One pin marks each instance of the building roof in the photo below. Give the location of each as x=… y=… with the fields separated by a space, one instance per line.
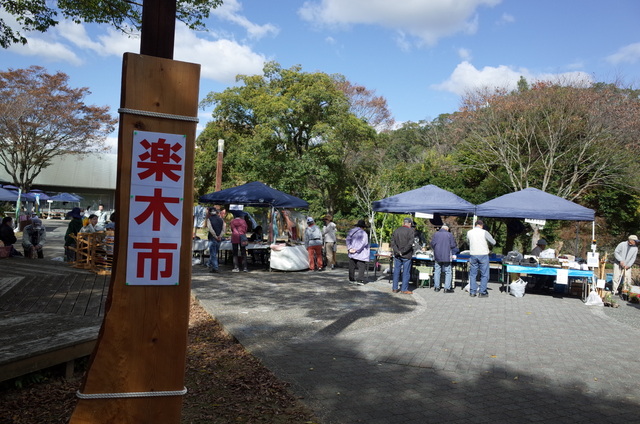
x=93 y=170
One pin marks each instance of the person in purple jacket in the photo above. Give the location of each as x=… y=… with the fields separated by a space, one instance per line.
x=443 y=245
x=358 y=252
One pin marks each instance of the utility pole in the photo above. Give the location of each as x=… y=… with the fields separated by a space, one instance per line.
x=219 y=165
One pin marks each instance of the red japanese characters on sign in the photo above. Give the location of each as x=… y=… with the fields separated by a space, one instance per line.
x=155 y=209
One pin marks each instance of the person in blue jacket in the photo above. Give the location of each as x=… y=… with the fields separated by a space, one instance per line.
x=443 y=245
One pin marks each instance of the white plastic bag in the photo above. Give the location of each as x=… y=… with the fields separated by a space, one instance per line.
x=594 y=299
x=516 y=288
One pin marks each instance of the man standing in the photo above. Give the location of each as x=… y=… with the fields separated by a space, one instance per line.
x=358 y=252
x=402 y=246
x=215 y=229
x=479 y=240
x=442 y=244
x=102 y=216
x=313 y=243
x=33 y=238
x=624 y=258
x=329 y=235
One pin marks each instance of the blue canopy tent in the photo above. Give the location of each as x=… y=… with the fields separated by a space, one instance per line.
x=428 y=199
x=8 y=195
x=254 y=194
x=534 y=204
x=66 y=197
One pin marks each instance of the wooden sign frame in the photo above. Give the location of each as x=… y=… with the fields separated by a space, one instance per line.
x=137 y=369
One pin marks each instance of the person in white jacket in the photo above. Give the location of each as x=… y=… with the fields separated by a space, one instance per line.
x=624 y=257
x=479 y=240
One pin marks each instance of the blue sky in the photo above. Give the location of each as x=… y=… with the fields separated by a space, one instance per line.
x=421 y=55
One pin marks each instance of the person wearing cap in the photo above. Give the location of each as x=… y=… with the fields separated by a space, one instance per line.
x=443 y=244
x=624 y=257
x=75 y=225
x=402 y=241
x=329 y=237
x=358 y=252
x=216 y=227
x=313 y=244
x=540 y=246
x=479 y=240
x=34 y=237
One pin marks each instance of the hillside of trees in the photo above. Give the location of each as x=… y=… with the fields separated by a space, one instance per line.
x=334 y=144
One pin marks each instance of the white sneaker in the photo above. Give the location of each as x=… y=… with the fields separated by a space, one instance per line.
x=235 y=270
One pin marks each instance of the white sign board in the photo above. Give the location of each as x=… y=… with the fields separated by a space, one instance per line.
x=155 y=209
x=424 y=215
x=539 y=222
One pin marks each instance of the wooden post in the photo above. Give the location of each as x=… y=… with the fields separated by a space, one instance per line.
x=219 y=165
x=142 y=342
x=158 y=28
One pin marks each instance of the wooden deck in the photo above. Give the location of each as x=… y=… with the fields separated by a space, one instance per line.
x=50 y=313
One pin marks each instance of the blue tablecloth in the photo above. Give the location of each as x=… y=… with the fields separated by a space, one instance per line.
x=542 y=270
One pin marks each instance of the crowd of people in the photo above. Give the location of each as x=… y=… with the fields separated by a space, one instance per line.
x=321 y=244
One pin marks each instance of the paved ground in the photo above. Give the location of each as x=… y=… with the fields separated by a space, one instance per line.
x=359 y=354
x=362 y=354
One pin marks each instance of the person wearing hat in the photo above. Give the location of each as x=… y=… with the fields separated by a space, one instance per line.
x=75 y=225
x=313 y=244
x=33 y=238
x=358 y=252
x=216 y=228
x=402 y=245
x=540 y=246
x=329 y=237
x=624 y=257
x=443 y=245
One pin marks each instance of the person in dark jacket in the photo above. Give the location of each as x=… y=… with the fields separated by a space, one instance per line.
x=8 y=236
x=402 y=246
x=443 y=245
x=75 y=225
x=216 y=228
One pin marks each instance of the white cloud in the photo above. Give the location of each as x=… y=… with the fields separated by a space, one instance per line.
x=426 y=20
x=506 y=19
x=467 y=77
x=47 y=50
x=464 y=54
x=229 y=11
x=626 y=54
x=111 y=144
x=77 y=35
x=221 y=60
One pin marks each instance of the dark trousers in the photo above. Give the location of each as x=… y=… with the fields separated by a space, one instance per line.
x=360 y=265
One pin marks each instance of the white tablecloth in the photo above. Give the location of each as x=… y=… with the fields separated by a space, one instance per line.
x=289 y=258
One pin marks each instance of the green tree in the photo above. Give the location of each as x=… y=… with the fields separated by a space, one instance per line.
x=566 y=140
x=41 y=117
x=290 y=129
x=124 y=15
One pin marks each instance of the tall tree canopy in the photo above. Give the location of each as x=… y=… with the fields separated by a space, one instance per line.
x=124 y=15
x=288 y=128
x=41 y=117
x=564 y=139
